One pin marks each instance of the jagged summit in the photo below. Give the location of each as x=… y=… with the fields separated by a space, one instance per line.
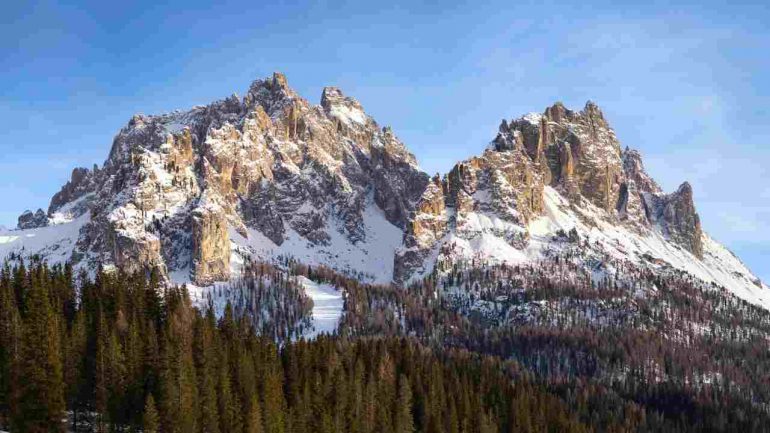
x=270 y=170
x=555 y=172
x=195 y=193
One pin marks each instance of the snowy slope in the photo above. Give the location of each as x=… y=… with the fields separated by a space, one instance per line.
x=54 y=243
x=718 y=265
x=270 y=176
x=327 y=307
x=370 y=259
x=482 y=237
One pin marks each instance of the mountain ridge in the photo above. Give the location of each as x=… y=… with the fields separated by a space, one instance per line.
x=194 y=193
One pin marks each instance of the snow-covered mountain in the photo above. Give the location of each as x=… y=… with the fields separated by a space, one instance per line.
x=550 y=181
x=195 y=193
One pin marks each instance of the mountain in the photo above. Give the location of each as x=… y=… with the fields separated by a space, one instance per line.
x=195 y=194
x=192 y=193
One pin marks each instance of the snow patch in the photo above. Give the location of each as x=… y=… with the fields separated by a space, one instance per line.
x=53 y=243
x=372 y=258
x=327 y=307
x=485 y=236
x=533 y=118
x=348 y=114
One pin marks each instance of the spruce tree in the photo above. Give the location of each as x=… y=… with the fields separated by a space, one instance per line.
x=10 y=335
x=205 y=365
x=38 y=401
x=150 y=418
x=274 y=403
x=404 y=419
x=253 y=422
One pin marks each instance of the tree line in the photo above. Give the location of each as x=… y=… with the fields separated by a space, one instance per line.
x=124 y=353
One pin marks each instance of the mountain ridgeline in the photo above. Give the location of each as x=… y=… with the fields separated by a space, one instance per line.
x=547 y=284
x=191 y=194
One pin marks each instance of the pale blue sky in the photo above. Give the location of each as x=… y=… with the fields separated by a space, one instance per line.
x=689 y=86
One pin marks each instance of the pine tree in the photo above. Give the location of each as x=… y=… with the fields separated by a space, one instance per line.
x=253 y=422
x=404 y=419
x=10 y=330
x=74 y=359
x=38 y=402
x=229 y=405
x=205 y=365
x=101 y=373
x=150 y=419
x=274 y=403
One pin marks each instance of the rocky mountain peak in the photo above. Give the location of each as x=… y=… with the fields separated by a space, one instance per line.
x=592 y=109
x=685 y=190
x=675 y=215
x=331 y=96
x=270 y=170
x=273 y=94
x=82 y=182
x=194 y=193
x=558 y=112
x=574 y=153
x=634 y=170
x=30 y=220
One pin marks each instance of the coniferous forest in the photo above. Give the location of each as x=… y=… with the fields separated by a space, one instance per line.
x=122 y=354
x=118 y=352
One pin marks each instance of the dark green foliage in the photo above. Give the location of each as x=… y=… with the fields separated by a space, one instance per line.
x=124 y=356
x=37 y=389
x=150 y=419
x=683 y=356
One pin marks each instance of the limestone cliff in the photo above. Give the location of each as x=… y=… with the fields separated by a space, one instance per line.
x=192 y=194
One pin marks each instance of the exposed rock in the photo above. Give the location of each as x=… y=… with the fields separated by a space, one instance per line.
x=426 y=227
x=630 y=204
x=576 y=151
x=680 y=221
x=29 y=220
x=82 y=182
x=137 y=254
x=271 y=163
x=430 y=223
x=277 y=171
x=634 y=170
x=211 y=246
x=506 y=185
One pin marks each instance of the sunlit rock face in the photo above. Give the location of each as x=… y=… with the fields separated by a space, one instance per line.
x=499 y=193
x=270 y=164
x=191 y=194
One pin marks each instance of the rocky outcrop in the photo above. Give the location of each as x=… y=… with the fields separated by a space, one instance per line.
x=675 y=215
x=633 y=167
x=82 y=182
x=631 y=205
x=269 y=164
x=503 y=183
x=577 y=151
x=497 y=195
x=29 y=220
x=210 y=246
x=426 y=227
x=430 y=223
x=278 y=171
x=137 y=254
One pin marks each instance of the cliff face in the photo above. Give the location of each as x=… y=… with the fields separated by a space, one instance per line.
x=192 y=194
x=495 y=197
x=577 y=151
x=676 y=216
x=506 y=185
x=30 y=220
x=268 y=164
